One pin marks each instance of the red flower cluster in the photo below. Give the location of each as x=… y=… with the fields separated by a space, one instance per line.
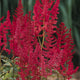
x=39 y=44
x=65 y=46
x=3 y=31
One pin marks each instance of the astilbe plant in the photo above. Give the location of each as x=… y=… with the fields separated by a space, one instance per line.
x=39 y=44
x=3 y=31
x=65 y=46
x=3 y=37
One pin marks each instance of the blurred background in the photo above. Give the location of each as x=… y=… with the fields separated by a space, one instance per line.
x=69 y=14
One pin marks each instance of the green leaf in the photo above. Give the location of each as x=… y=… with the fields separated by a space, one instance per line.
x=7 y=64
x=7 y=75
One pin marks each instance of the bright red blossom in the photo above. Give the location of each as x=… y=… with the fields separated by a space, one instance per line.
x=3 y=31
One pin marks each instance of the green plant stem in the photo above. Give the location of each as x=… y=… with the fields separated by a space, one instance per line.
x=39 y=40
x=42 y=41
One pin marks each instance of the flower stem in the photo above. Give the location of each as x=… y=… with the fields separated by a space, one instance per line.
x=42 y=40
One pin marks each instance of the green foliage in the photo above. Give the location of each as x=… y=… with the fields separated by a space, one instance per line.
x=8 y=69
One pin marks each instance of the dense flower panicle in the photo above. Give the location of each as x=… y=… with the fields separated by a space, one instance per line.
x=27 y=66
x=19 y=31
x=52 y=57
x=65 y=43
x=3 y=31
x=43 y=21
x=19 y=9
x=22 y=45
x=45 y=16
x=45 y=13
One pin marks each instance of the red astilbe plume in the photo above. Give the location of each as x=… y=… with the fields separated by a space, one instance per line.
x=4 y=27
x=52 y=58
x=19 y=9
x=45 y=13
x=22 y=45
x=45 y=19
x=65 y=43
